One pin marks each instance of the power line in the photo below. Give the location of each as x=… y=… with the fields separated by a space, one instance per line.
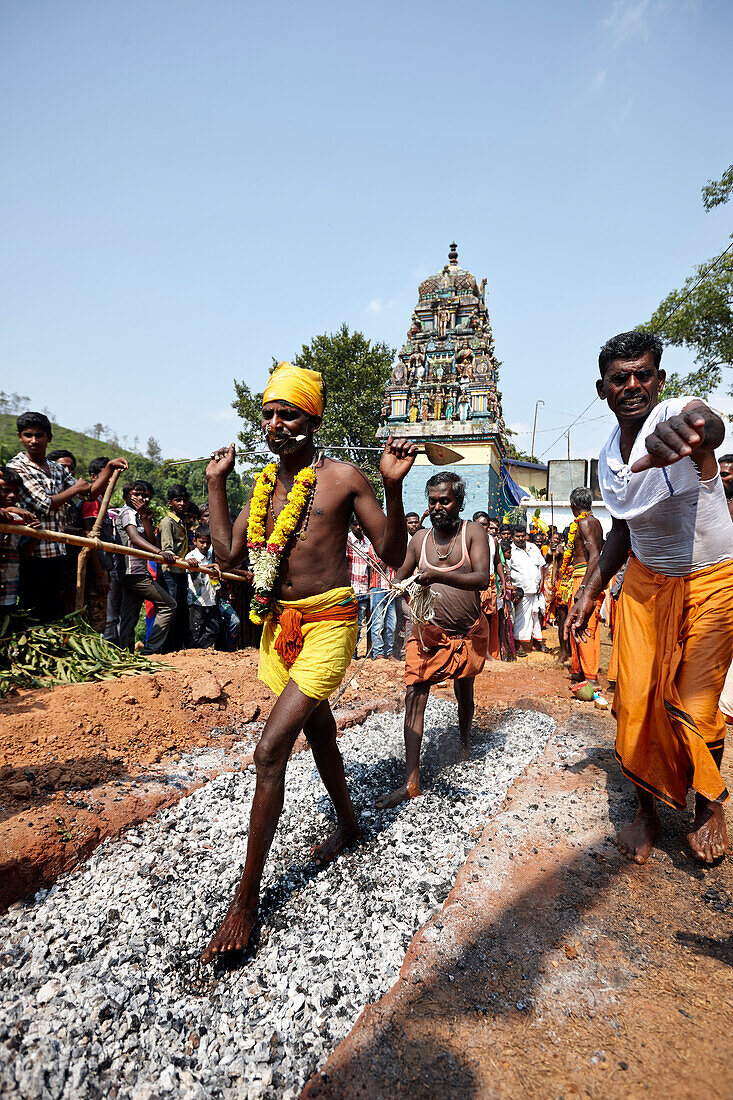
x=546 y=431
x=663 y=322
x=685 y=296
x=566 y=430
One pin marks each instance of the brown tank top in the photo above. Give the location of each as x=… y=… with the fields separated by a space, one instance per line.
x=456 y=609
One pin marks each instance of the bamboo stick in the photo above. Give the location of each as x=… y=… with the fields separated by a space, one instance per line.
x=110 y=547
x=81 y=563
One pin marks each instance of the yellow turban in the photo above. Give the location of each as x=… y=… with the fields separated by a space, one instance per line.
x=297 y=386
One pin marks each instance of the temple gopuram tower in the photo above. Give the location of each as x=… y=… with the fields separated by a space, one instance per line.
x=443 y=388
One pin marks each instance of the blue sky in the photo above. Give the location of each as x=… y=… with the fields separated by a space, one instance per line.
x=190 y=189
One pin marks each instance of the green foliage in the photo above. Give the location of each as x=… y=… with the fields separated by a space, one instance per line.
x=717 y=192
x=355 y=372
x=15 y=403
x=82 y=446
x=160 y=474
x=699 y=316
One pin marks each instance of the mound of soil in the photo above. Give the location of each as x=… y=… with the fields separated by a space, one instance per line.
x=80 y=762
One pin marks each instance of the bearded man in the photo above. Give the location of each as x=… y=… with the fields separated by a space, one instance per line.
x=453 y=558
x=674 y=635
x=307 y=605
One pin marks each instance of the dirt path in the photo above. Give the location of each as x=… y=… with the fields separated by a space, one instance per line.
x=81 y=762
x=556 y=968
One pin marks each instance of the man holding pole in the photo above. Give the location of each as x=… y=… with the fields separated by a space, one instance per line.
x=135 y=528
x=46 y=488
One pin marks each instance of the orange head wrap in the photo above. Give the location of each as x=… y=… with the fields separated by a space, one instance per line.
x=296 y=385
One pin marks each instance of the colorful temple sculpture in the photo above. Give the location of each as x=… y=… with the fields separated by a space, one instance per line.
x=443 y=388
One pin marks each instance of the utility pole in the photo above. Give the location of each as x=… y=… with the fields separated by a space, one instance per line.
x=568 y=445
x=534 y=426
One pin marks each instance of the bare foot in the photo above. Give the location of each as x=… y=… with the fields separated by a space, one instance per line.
x=709 y=837
x=464 y=752
x=636 y=840
x=339 y=839
x=577 y=677
x=398 y=796
x=233 y=933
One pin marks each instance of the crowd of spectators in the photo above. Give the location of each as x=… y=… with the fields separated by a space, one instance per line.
x=184 y=607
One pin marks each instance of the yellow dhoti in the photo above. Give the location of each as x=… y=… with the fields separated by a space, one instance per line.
x=673 y=642
x=328 y=642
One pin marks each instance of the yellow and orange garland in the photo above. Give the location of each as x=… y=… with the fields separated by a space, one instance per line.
x=265 y=554
x=566 y=568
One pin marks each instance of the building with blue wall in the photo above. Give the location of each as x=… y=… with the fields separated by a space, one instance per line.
x=443 y=389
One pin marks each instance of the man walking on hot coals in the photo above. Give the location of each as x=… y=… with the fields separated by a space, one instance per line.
x=294 y=528
x=453 y=558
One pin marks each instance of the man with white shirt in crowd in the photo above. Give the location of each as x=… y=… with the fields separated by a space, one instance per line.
x=527 y=569
x=674 y=628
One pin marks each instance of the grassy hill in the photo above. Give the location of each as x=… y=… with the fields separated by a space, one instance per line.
x=82 y=446
x=85 y=448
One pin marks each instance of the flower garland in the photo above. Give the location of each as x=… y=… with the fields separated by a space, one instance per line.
x=265 y=555
x=566 y=567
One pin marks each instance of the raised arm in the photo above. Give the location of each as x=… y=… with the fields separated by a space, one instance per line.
x=695 y=432
x=387 y=534
x=229 y=542
x=101 y=480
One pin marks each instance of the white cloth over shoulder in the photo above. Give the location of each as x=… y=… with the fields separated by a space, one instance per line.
x=627 y=495
x=678 y=524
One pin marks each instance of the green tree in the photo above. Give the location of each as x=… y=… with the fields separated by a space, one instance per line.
x=154 y=450
x=355 y=372
x=699 y=315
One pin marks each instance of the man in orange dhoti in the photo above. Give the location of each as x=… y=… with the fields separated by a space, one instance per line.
x=490 y=597
x=586 y=542
x=453 y=558
x=674 y=629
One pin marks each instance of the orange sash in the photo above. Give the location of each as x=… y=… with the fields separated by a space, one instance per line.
x=290 y=640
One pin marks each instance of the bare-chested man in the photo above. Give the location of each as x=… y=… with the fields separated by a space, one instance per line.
x=674 y=630
x=311 y=625
x=587 y=545
x=453 y=558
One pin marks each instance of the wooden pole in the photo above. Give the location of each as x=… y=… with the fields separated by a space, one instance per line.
x=110 y=547
x=81 y=562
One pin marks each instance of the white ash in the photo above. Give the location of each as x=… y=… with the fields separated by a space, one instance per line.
x=101 y=993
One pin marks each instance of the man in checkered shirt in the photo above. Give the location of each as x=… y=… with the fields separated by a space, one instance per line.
x=46 y=487
x=358 y=570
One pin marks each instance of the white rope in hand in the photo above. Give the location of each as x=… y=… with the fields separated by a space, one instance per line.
x=421 y=597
